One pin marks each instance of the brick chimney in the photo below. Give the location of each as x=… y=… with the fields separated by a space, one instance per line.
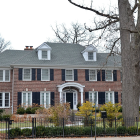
x=28 y=48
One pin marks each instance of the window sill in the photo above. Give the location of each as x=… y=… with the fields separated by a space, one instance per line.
x=4 y=107
x=4 y=81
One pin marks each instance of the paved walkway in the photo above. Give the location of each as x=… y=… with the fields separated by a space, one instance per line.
x=93 y=138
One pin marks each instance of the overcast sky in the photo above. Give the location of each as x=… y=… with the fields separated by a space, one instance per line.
x=28 y=22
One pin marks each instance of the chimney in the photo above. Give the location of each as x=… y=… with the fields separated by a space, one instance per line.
x=31 y=47
x=28 y=48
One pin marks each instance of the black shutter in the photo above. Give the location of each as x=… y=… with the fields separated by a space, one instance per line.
x=38 y=74
x=63 y=74
x=75 y=75
x=87 y=75
x=20 y=74
x=114 y=75
x=51 y=74
x=116 y=97
x=98 y=75
x=103 y=75
x=33 y=74
x=36 y=98
x=52 y=98
x=101 y=97
x=86 y=96
x=19 y=99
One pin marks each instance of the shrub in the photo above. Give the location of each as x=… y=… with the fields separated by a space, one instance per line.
x=110 y=130
x=119 y=117
x=120 y=110
x=34 y=110
x=121 y=130
x=28 y=110
x=1 y=111
x=14 y=132
x=26 y=132
x=132 y=130
x=40 y=131
x=6 y=116
x=20 y=110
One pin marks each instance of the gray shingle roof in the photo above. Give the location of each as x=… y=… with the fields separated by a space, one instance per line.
x=62 y=55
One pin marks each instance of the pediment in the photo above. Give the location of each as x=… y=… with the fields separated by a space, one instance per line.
x=90 y=48
x=44 y=46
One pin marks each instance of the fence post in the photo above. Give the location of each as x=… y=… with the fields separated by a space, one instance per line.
x=137 y=125
x=91 y=127
x=33 y=127
x=115 y=128
x=8 y=129
x=63 y=127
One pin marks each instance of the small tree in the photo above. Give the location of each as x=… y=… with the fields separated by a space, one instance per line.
x=112 y=111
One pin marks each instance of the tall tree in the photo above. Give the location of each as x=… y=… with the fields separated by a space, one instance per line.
x=76 y=34
x=3 y=44
x=123 y=21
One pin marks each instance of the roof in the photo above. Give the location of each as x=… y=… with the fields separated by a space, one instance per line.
x=62 y=54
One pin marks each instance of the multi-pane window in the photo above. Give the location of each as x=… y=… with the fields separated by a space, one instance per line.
x=44 y=54
x=69 y=75
x=109 y=97
x=93 y=97
x=27 y=74
x=90 y=55
x=92 y=75
x=4 y=75
x=45 y=99
x=4 y=99
x=26 y=99
x=45 y=75
x=108 y=75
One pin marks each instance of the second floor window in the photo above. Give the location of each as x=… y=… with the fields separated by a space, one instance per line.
x=92 y=75
x=45 y=75
x=27 y=74
x=69 y=75
x=4 y=75
x=109 y=75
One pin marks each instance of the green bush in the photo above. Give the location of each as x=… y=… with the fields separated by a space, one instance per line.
x=28 y=110
x=6 y=116
x=40 y=131
x=34 y=110
x=20 y=110
x=120 y=110
x=110 y=130
x=26 y=132
x=132 y=130
x=1 y=111
x=14 y=132
x=119 y=117
x=121 y=130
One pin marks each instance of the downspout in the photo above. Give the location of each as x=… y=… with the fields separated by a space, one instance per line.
x=13 y=92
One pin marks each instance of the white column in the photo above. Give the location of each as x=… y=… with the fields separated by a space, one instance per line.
x=60 y=97
x=81 y=97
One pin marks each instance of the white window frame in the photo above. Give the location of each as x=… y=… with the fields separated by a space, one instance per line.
x=30 y=74
x=72 y=75
x=92 y=55
x=92 y=94
x=45 y=98
x=26 y=105
x=4 y=75
x=109 y=96
x=3 y=100
x=112 y=75
x=95 y=75
x=48 y=75
x=47 y=55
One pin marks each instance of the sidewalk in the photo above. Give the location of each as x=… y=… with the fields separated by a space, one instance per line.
x=93 y=138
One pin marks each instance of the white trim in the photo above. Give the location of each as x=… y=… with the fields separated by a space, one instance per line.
x=95 y=75
x=30 y=74
x=48 y=75
x=3 y=100
x=45 y=98
x=109 y=96
x=93 y=92
x=72 y=75
x=26 y=105
x=4 y=75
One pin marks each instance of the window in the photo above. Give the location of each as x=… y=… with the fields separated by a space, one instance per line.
x=27 y=74
x=109 y=75
x=92 y=96
x=69 y=75
x=4 y=99
x=90 y=55
x=4 y=75
x=26 y=99
x=44 y=55
x=109 y=97
x=45 y=75
x=92 y=75
x=45 y=99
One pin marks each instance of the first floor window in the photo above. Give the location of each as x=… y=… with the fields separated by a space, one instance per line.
x=69 y=75
x=26 y=99
x=27 y=74
x=108 y=75
x=92 y=75
x=45 y=99
x=4 y=99
x=93 y=97
x=5 y=75
x=45 y=75
x=109 y=97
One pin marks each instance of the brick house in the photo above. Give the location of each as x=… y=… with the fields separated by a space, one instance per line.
x=57 y=72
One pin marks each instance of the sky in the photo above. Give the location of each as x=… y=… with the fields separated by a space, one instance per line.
x=28 y=22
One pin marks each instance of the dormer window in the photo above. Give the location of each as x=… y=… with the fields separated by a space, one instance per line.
x=90 y=55
x=44 y=55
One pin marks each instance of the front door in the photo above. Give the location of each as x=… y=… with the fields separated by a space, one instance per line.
x=69 y=98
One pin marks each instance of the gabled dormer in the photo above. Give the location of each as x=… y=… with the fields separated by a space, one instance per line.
x=90 y=53
x=44 y=52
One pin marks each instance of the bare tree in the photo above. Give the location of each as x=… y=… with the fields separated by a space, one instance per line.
x=3 y=44
x=121 y=21
x=77 y=34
